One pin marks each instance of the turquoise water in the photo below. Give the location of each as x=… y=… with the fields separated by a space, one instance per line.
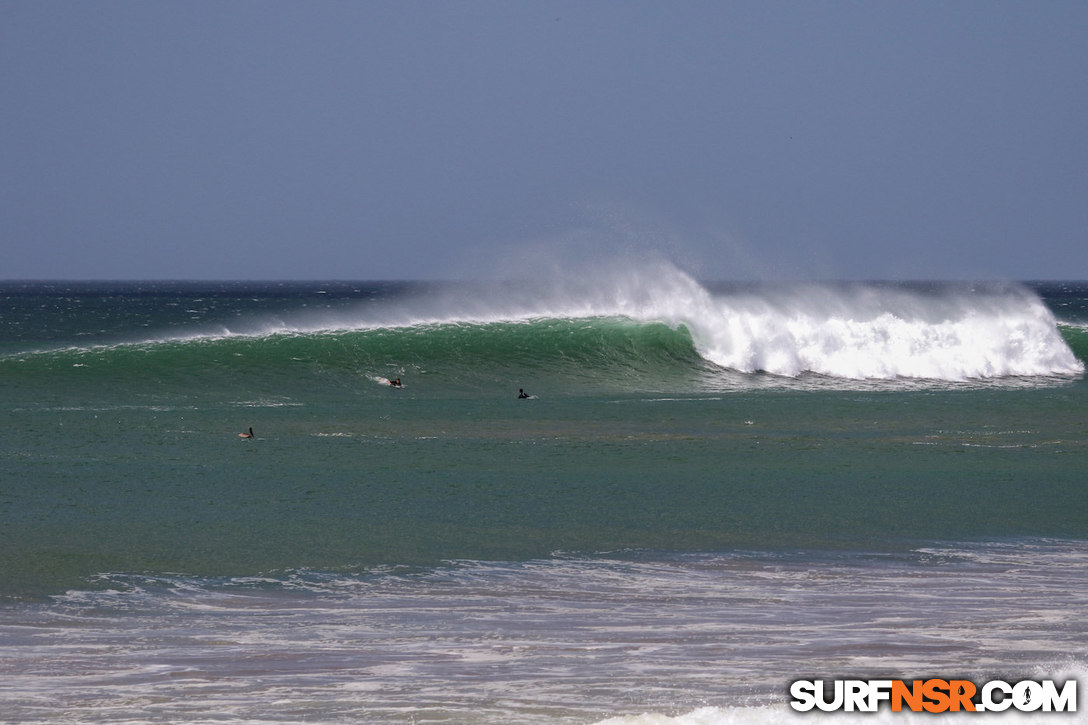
x=359 y=483
x=773 y=451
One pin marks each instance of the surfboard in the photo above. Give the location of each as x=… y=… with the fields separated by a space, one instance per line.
x=386 y=382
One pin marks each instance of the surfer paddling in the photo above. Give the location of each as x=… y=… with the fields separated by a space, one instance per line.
x=396 y=383
x=247 y=434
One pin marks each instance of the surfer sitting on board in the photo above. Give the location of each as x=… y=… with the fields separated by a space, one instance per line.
x=522 y=395
x=247 y=434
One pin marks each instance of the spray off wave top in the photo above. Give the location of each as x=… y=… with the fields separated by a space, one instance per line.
x=854 y=331
x=636 y=324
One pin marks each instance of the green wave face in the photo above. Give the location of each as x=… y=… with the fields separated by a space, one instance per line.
x=603 y=354
x=1076 y=337
x=658 y=332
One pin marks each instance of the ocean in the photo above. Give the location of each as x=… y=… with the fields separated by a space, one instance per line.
x=713 y=490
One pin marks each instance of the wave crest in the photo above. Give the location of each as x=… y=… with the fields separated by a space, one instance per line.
x=867 y=332
x=645 y=325
x=855 y=331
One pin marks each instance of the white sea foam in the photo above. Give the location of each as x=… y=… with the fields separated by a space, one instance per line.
x=858 y=331
x=854 y=331
x=690 y=640
x=769 y=715
x=874 y=332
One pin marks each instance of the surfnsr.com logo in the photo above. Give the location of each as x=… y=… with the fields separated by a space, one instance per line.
x=933 y=695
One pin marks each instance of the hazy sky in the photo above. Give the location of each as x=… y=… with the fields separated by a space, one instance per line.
x=367 y=140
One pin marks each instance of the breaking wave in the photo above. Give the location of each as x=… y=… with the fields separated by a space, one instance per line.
x=650 y=328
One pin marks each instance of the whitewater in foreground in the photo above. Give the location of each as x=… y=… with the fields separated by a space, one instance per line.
x=715 y=490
